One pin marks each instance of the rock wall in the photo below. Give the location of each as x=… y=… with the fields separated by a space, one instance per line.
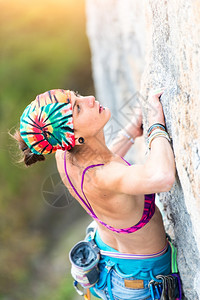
x=139 y=45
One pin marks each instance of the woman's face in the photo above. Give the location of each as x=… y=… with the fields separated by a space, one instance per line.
x=89 y=117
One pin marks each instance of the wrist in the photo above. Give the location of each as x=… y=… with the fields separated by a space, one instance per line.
x=133 y=130
x=126 y=135
x=156 y=126
x=155 y=131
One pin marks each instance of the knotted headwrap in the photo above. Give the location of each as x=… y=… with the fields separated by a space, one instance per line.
x=46 y=124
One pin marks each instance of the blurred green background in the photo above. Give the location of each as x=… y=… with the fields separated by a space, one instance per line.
x=43 y=46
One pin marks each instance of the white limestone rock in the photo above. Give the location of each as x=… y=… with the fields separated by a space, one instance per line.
x=138 y=45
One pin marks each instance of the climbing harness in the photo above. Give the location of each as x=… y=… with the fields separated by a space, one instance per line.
x=92 y=266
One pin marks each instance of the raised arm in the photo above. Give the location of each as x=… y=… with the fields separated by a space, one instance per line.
x=157 y=174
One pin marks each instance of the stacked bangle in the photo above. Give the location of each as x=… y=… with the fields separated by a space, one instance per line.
x=156 y=126
x=157 y=130
x=124 y=133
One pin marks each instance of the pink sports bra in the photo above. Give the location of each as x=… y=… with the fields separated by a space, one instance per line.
x=148 y=212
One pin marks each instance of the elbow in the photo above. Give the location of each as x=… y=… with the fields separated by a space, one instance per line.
x=159 y=182
x=166 y=181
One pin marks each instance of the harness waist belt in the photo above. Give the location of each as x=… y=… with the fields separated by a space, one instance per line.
x=133 y=256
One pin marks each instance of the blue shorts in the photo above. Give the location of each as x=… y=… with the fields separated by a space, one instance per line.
x=126 y=279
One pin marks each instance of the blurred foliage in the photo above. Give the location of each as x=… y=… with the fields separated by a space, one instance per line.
x=43 y=46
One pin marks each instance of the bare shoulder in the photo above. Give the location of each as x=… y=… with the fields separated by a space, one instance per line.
x=109 y=176
x=59 y=154
x=125 y=179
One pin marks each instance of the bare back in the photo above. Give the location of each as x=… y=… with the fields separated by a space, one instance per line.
x=116 y=209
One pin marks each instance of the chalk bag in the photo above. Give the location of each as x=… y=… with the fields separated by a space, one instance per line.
x=84 y=258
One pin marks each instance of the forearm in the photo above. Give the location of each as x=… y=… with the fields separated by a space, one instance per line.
x=126 y=138
x=161 y=154
x=161 y=162
x=122 y=143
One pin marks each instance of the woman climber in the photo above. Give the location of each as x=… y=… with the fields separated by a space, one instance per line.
x=137 y=261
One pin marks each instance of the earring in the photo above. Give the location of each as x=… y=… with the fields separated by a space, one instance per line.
x=81 y=140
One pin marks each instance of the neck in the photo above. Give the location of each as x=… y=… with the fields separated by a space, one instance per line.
x=94 y=151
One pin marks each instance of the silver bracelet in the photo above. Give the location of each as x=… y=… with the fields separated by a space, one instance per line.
x=124 y=133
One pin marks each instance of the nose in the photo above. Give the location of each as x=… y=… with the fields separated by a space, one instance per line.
x=89 y=99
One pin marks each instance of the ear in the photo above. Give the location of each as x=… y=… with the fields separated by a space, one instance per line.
x=79 y=141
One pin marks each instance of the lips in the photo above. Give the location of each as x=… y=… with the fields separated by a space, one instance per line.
x=100 y=108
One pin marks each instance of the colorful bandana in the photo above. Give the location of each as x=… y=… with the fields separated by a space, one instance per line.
x=46 y=124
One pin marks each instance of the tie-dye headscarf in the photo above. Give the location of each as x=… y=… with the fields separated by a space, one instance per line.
x=46 y=124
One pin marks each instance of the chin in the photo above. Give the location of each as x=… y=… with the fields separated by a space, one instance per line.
x=107 y=110
x=108 y=114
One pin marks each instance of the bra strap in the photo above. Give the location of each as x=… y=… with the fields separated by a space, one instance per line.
x=86 y=203
x=125 y=161
x=82 y=200
x=83 y=175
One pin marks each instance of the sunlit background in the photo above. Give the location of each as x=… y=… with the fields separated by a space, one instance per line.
x=43 y=46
